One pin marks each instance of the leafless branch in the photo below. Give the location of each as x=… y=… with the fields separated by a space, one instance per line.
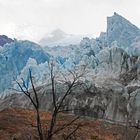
x=57 y=105
x=70 y=134
x=66 y=125
x=35 y=103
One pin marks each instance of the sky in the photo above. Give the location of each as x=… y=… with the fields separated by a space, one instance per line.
x=33 y=19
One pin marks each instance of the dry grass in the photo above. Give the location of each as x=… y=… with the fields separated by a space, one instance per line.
x=21 y=124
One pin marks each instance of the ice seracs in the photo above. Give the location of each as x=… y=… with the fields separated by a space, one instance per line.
x=121 y=30
x=13 y=58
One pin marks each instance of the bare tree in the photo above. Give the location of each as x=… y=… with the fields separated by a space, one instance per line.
x=57 y=102
x=35 y=102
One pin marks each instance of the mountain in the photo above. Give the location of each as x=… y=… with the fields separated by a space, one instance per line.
x=60 y=38
x=4 y=40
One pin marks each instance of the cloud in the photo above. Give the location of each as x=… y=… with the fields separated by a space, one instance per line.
x=34 y=18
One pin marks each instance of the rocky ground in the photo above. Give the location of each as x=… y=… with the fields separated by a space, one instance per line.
x=19 y=124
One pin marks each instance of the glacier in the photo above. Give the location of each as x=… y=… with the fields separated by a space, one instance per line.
x=13 y=58
x=113 y=65
x=108 y=53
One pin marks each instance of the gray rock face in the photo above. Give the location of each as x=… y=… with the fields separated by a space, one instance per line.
x=5 y=40
x=106 y=104
x=114 y=100
x=19 y=100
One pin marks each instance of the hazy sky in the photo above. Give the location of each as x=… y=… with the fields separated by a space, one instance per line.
x=32 y=19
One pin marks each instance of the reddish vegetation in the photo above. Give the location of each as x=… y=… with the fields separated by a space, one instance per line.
x=20 y=124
